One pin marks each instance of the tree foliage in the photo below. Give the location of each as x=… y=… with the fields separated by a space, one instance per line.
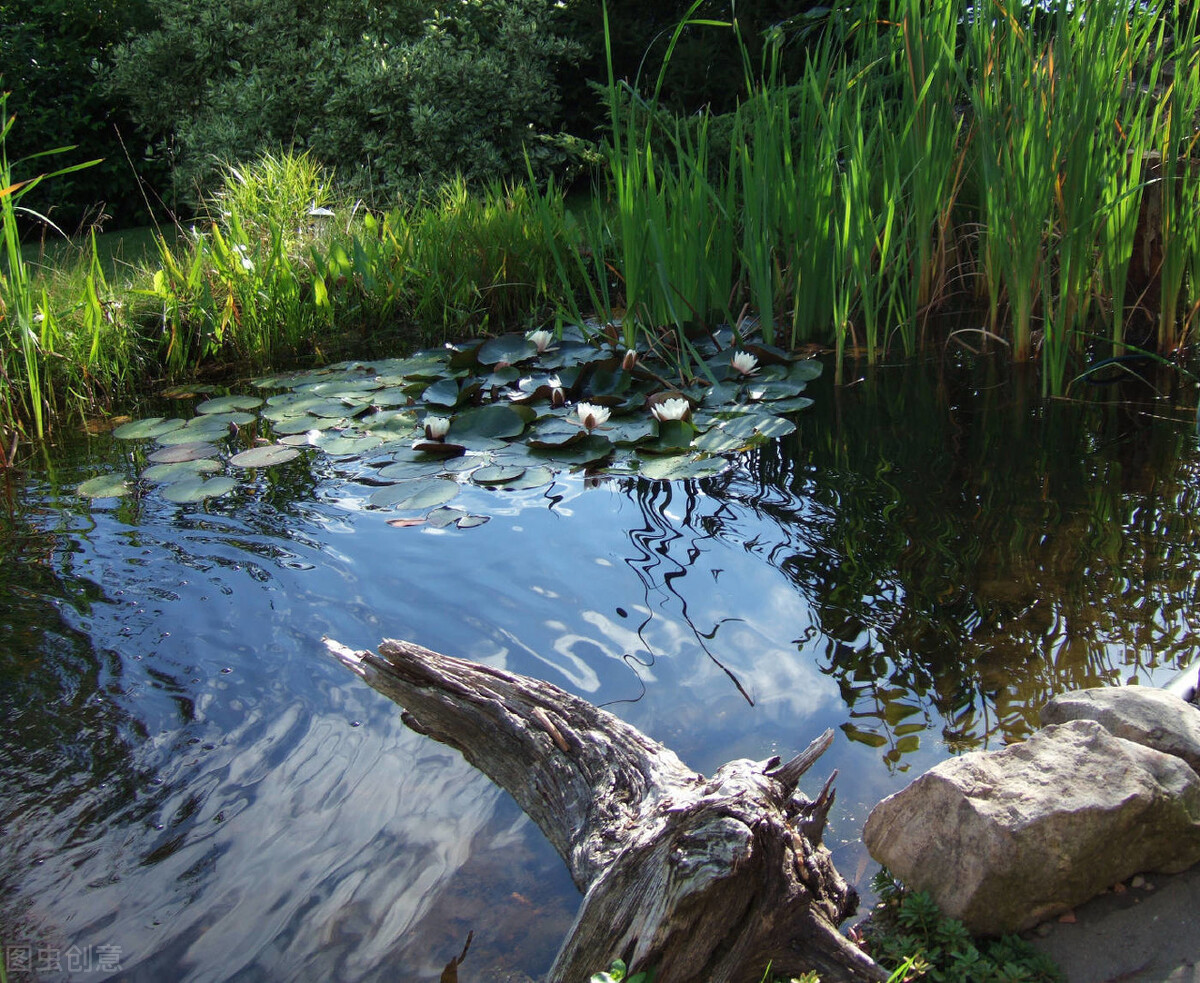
x=392 y=93
x=48 y=52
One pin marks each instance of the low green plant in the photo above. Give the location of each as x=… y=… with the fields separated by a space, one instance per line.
x=617 y=973
x=909 y=928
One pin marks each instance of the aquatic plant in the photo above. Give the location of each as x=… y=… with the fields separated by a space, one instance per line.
x=492 y=413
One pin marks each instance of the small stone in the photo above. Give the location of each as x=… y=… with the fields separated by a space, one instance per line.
x=1137 y=881
x=1118 y=889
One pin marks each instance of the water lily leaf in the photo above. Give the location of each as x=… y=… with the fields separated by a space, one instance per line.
x=104 y=486
x=471 y=521
x=338 y=408
x=609 y=383
x=197 y=489
x=570 y=355
x=304 y=424
x=530 y=478
x=508 y=348
x=392 y=421
x=795 y=405
x=439 y=448
x=403 y=470
x=805 y=370
x=180 y=469
x=192 y=435
x=423 y=493
x=446 y=515
x=630 y=431
x=145 y=429
x=774 y=390
x=588 y=449
x=497 y=474
x=717 y=441
x=192 y=451
x=556 y=432
x=498 y=420
x=336 y=445
x=673 y=436
x=224 y=404
x=238 y=418
x=681 y=466
x=393 y=396
x=444 y=392
x=502 y=377
x=747 y=424
x=264 y=456
x=340 y=388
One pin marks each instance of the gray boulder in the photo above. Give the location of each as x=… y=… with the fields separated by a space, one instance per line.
x=1142 y=714
x=1005 y=839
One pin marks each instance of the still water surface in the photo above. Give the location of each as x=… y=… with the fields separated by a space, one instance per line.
x=191 y=782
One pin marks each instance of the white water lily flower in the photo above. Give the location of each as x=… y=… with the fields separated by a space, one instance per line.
x=675 y=408
x=436 y=427
x=541 y=339
x=557 y=396
x=744 y=363
x=591 y=416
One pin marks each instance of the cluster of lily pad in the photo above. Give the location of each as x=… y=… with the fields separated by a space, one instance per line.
x=506 y=413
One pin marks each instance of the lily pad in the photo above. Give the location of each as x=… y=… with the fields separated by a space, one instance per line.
x=496 y=420
x=194 y=435
x=423 y=493
x=104 y=486
x=681 y=467
x=340 y=445
x=265 y=456
x=146 y=429
x=197 y=489
x=471 y=521
x=497 y=474
x=337 y=408
x=444 y=392
x=180 y=469
x=508 y=348
x=190 y=451
x=446 y=515
x=530 y=478
x=225 y=404
x=404 y=470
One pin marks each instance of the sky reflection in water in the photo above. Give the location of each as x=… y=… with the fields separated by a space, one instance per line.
x=191 y=778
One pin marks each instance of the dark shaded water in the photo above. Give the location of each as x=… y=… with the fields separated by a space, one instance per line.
x=193 y=790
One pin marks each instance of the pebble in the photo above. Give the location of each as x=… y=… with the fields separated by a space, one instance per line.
x=1137 y=881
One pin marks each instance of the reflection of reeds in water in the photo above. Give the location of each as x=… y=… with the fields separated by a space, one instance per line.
x=971 y=551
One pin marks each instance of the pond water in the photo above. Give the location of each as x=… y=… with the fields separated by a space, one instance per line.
x=194 y=790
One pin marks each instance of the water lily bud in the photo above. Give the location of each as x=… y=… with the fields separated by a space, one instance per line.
x=630 y=360
x=557 y=396
x=436 y=427
x=541 y=339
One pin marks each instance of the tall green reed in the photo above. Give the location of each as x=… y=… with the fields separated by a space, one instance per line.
x=28 y=328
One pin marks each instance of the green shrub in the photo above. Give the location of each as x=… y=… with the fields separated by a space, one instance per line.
x=401 y=92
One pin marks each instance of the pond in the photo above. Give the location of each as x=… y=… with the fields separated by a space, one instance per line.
x=194 y=790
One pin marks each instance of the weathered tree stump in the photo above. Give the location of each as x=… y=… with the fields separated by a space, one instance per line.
x=708 y=879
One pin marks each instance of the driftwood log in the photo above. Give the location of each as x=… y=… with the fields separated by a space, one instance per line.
x=707 y=879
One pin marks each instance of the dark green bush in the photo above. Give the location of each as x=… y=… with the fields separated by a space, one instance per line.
x=390 y=94
x=48 y=51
